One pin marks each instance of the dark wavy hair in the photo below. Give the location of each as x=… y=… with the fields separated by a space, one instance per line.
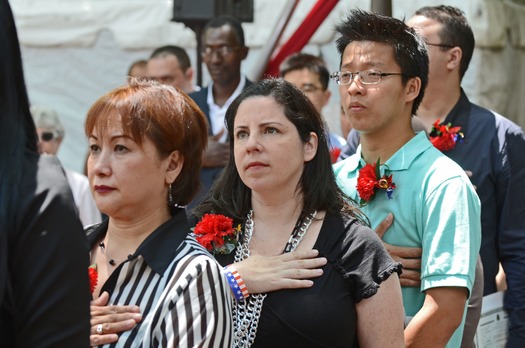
x=409 y=48
x=166 y=116
x=230 y=196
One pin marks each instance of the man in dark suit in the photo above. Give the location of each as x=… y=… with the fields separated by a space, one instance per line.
x=223 y=51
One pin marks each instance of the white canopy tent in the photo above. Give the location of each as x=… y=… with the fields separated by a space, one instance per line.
x=76 y=50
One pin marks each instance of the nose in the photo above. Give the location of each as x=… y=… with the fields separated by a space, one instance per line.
x=355 y=87
x=252 y=143
x=99 y=164
x=215 y=57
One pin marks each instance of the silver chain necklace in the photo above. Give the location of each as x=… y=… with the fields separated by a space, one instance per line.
x=246 y=313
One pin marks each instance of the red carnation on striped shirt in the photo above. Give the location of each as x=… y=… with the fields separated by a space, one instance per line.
x=93 y=277
x=215 y=232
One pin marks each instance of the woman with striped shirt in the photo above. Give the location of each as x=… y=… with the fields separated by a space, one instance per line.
x=154 y=279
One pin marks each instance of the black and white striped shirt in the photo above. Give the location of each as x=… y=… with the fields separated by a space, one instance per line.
x=183 y=295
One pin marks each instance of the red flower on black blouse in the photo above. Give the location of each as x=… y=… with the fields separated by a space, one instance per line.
x=369 y=181
x=444 y=137
x=93 y=277
x=215 y=232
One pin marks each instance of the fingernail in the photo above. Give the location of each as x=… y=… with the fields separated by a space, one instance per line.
x=389 y=217
x=137 y=316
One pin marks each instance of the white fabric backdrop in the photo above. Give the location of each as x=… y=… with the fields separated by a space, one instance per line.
x=76 y=50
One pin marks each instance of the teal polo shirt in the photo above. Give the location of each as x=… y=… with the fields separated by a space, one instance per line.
x=435 y=208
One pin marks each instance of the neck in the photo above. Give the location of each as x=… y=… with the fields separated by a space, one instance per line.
x=124 y=236
x=188 y=88
x=438 y=102
x=385 y=144
x=223 y=91
x=277 y=212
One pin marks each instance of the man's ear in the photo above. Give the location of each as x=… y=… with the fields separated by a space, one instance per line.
x=413 y=88
x=454 y=58
x=244 y=52
x=174 y=166
x=327 y=95
x=189 y=74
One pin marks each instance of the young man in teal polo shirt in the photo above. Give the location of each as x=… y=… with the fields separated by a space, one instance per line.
x=384 y=71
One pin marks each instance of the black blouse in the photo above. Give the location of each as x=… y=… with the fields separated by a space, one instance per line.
x=324 y=315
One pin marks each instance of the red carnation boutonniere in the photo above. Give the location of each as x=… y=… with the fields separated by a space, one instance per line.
x=444 y=137
x=369 y=181
x=215 y=232
x=93 y=277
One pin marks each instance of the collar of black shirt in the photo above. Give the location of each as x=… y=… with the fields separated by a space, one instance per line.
x=160 y=247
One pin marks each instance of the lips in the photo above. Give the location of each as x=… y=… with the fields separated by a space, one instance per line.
x=103 y=189
x=355 y=106
x=215 y=71
x=255 y=165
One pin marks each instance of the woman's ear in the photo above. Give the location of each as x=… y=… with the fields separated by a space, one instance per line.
x=310 y=147
x=174 y=166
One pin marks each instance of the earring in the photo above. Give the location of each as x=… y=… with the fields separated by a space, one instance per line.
x=170 y=197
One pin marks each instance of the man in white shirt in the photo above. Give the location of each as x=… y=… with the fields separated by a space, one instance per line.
x=223 y=51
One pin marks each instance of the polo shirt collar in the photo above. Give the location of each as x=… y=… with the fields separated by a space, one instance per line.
x=401 y=160
x=160 y=247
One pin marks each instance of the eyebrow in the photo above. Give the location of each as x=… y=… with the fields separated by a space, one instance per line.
x=368 y=65
x=114 y=137
x=261 y=125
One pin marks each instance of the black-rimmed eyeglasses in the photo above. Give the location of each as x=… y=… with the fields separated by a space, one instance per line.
x=367 y=77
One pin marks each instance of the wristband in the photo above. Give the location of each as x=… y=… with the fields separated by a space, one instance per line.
x=237 y=285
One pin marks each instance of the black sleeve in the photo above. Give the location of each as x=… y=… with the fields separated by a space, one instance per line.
x=48 y=260
x=364 y=261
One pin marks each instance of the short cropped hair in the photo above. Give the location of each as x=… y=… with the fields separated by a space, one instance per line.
x=170 y=50
x=408 y=47
x=300 y=61
x=234 y=23
x=138 y=63
x=164 y=115
x=455 y=32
